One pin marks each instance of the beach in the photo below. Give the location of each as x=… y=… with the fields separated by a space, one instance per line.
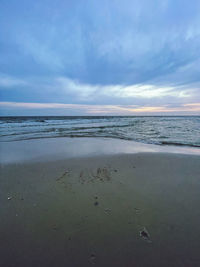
x=99 y=133
x=102 y=209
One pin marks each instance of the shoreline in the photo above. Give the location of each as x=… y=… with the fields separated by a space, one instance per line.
x=48 y=149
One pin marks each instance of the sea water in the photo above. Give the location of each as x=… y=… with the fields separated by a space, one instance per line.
x=162 y=130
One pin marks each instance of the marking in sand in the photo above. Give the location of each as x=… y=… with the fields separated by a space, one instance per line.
x=63 y=175
x=101 y=174
x=64 y=179
x=145 y=235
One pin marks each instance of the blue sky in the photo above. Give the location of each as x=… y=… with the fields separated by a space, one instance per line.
x=103 y=57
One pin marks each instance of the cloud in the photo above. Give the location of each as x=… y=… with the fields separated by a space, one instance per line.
x=107 y=42
x=144 y=91
x=88 y=91
x=40 y=52
x=128 y=52
x=65 y=90
x=9 y=82
x=83 y=91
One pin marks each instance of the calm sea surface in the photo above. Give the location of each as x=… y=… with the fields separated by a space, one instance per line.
x=151 y=130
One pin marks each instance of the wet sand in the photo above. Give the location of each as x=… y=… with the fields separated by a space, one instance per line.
x=120 y=210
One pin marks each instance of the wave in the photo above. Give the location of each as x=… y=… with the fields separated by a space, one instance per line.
x=152 y=130
x=179 y=144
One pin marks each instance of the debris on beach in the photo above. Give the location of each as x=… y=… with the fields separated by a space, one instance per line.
x=96 y=203
x=107 y=210
x=137 y=210
x=92 y=258
x=145 y=235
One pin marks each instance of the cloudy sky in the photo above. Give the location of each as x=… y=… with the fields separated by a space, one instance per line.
x=92 y=57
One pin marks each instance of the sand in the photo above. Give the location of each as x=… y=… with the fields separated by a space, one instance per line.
x=112 y=210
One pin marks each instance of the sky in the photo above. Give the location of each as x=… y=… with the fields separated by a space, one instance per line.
x=90 y=57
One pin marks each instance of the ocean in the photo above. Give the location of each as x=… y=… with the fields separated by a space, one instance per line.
x=161 y=130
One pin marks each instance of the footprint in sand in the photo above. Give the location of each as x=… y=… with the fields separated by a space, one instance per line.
x=103 y=174
x=90 y=176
